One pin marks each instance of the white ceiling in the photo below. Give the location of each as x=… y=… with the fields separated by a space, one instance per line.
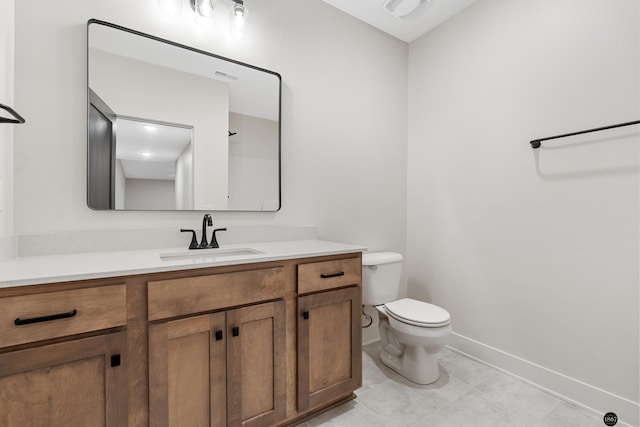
x=409 y=28
x=150 y=150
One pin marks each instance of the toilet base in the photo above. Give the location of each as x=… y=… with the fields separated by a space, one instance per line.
x=416 y=365
x=411 y=351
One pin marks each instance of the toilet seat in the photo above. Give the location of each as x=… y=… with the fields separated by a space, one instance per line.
x=418 y=313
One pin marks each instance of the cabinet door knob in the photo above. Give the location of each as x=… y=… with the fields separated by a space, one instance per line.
x=235 y=331
x=115 y=360
x=305 y=315
x=218 y=335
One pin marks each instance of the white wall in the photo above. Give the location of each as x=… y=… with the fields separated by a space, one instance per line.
x=343 y=117
x=184 y=179
x=6 y=131
x=141 y=194
x=120 y=185
x=534 y=253
x=253 y=163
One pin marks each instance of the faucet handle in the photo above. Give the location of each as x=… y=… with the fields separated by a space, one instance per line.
x=194 y=241
x=214 y=241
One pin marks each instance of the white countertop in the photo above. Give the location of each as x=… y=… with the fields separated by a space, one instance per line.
x=23 y=271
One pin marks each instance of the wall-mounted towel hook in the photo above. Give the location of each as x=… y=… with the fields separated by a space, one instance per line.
x=18 y=118
x=232 y=133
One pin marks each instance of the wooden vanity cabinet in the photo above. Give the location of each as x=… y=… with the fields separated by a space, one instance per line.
x=187 y=372
x=81 y=382
x=220 y=369
x=256 y=365
x=329 y=331
x=255 y=345
x=50 y=377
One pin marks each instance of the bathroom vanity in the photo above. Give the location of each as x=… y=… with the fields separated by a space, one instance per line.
x=260 y=337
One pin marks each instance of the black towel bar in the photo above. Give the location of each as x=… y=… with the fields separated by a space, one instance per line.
x=536 y=142
x=18 y=118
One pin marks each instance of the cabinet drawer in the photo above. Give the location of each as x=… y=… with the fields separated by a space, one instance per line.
x=319 y=276
x=30 y=318
x=177 y=297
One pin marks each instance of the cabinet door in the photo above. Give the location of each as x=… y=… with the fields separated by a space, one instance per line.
x=187 y=372
x=256 y=365
x=81 y=382
x=329 y=346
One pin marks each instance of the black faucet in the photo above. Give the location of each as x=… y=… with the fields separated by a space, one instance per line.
x=194 y=241
x=214 y=241
x=206 y=220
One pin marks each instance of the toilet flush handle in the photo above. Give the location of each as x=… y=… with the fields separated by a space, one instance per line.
x=372 y=267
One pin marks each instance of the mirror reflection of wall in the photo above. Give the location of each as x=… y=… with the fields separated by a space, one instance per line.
x=154 y=166
x=139 y=79
x=253 y=163
x=133 y=88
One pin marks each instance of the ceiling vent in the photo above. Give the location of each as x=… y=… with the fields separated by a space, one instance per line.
x=405 y=9
x=226 y=75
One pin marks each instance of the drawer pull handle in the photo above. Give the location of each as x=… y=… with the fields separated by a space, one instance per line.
x=218 y=335
x=30 y=320
x=305 y=315
x=328 y=276
x=235 y=331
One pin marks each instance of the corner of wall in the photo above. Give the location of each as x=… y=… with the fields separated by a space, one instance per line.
x=6 y=131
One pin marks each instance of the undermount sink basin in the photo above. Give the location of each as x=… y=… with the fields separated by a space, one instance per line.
x=208 y=255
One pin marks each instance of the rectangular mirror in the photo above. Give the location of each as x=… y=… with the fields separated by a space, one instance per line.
x=172 y=127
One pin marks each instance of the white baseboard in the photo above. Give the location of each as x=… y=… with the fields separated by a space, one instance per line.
x=562 y=386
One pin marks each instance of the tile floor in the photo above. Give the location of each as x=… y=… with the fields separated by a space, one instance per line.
x=468 y=394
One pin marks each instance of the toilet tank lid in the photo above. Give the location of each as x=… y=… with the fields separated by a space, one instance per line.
x=377 y=258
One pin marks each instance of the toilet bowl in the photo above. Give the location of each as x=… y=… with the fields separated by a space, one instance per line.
x=410 y=349
x=412 y=332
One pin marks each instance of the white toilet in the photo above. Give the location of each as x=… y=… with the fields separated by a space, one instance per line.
x=412 y=332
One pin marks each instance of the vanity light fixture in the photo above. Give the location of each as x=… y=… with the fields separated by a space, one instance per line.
x=205 y=13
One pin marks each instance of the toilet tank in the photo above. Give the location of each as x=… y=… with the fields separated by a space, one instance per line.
x=381 y=273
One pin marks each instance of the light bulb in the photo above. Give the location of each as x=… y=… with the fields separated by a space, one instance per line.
x=238 y=18
x=204 y=7
x=239 y=9
x=204 y=13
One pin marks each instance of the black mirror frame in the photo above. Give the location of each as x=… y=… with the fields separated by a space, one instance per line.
x=192 y=49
